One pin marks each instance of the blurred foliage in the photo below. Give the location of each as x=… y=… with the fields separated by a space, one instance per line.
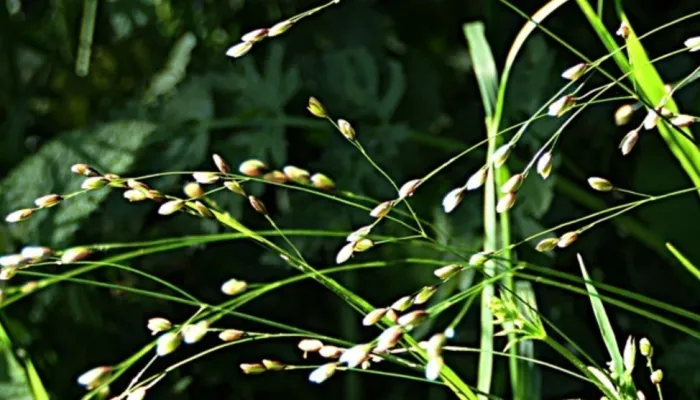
x=161 y=96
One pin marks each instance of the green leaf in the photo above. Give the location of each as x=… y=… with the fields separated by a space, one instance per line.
x=601 y=317
x=530 y=379
x=111 y=147
x=684 y=261
x=17 y=383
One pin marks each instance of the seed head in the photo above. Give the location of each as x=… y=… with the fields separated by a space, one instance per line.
x=171 y=207
x=157 y=325
x=683 y=120
x=448 y=271
x=276 y=177
x=239 y=50
x=47 y=201
x=403 y=303
x=134 y=195
x=83 y=169
x=253 y=168
x=412 y=319
x=561 y=106
x=205 y=177
x=513 y=183
x=329 y=351
x=253 y=368
x=567 y=239
x=168 y=343
x=389 y=338
x=433 y=367
x=548 y=244
x=452 y=199
x=382 y=209
x=75 y=254
x=229 y=335
x=193 y=190
x=255 y=36
x=296 y=174
x=233 y=287
x=95 y=377
x=628 y=142
x=544 y=165
x=345 y=253
x=363 y=244
x=257 y=205
x=506 y=202
x=93 y=183
x=137 y=394
x=624 y=114
x=356 y=355
x=657 y=376
x=316 y=108
x=600 y=184
x=575 y=72
x=374 y=316
x=500 y=156
x=321 y=181
x=193 y=333
x=322 y=373
x=645 y=347
x=623 y=31
x=408 y=188
x=477 y=179
x=693 y=44
x=425 y=294
x=36 y=253
x=235 y=187
x=19 y=215
x=346 y=129
x=280 y=28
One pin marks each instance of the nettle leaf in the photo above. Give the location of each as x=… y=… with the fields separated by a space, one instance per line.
x=111 y=147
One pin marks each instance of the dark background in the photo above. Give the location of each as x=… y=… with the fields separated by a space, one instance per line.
x=400 y=71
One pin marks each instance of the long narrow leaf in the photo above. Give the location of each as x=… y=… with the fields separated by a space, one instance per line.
x=684 y=261
x=530 y=378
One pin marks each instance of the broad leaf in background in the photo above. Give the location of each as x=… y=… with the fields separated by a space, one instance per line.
x=111 y=147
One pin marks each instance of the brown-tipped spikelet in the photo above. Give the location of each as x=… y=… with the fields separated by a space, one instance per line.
x=363 y=244
x=239 y=50
x=567 y=239
x=448 y=271
x=544 y=165
x=193 y=190
x=477 y=179
x=452 y=199
x=513 y=183
x=255 y=35
x=229 y=335
x=389 y=338
x=403 y=303
x=36 y=253
x=94 y=182
x=425 y=294
x=321 y=181
x=48 y=200
x=408 y=188
x=500 y=156
x=297 y=174
x=356 y=355
x=171 y=207
x=561 y=106
x=382 y=209
x=95 y=377
x=279 y=28
x=134 y=195
x=253 y=368
x=413 y=319
x=330 y=351
x=628 y=142
x=273 y=365
x=253 y=168
x=600 y=184
x=575 y=72
x=235 y=187
x=205 y=177
x=19 y=215
x=547 y=244
x=75 y=254
x=623 y=31
x=83 y=169
x=257 y=205
x=346 y=129
x=683 y=120
x=506 y=202
x=276 y=177
x=221 y=165
x=316 y=108
x=201 y=209
x=374 y=316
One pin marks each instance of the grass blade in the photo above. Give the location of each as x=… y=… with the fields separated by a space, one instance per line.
x=684 y=261
x=487 y=79
x=529 y=378
x=14 y=369
x=601 y=317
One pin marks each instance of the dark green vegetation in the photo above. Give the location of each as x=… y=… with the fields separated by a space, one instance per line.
x=160 y=95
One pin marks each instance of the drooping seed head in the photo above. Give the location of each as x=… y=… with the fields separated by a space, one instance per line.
x=171 y=207
x=19 y=215
x=75 y=254
x=94 y=182
x=624 y=114
x=500 y=156
x=253 y=368
x=600 y=184
x=693 y=43
x=168 y=343
x=255 y=35
x=425 y=294
x=628 y=142
x=477 y=179
x=382 y=209
x=448 y=271
x=193 y=333
x=280 y=28
x=374 y=316
x=389 y=338
x=452 y=200
x=235 y=187
x=316 y=108
x=229 y=335
x=544 y=165
x=356 y=355
x=346 y=129
x=561 y=106
x=403 y=303
x=296 y=174
x=257 y=205
x=158 y=325
x=193 y=190
x=323 y=373
x=408 y=188
x=548 y=244
x=234 y=287
x=48 y=200
x=513 y=183
x=36 y=253
x=239 y=50
x=253 y=168
x=321 y=181
x=575 y=72
x=506 y=202
x=95 y=377
x=567 y=239
x=345 y=253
